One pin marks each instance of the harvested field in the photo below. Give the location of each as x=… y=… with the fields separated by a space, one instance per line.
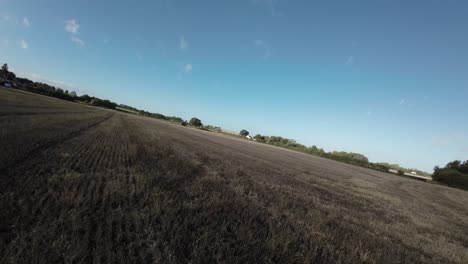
x=80 y=184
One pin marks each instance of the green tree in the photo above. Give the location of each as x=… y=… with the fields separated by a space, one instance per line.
x=195 y=122
x=95 y=102
x=260 y=138
x=5 y=73
x=244 y=133
x=85 y=98
x=451 y=177
x=464 y=167
x=455 y=165
x=4 y=69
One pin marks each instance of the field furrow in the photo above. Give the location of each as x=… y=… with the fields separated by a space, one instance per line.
x=99 y=186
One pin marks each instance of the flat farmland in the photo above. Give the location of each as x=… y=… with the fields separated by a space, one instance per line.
x=79 y=184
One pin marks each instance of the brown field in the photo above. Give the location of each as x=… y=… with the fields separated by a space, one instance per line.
x=80 y=184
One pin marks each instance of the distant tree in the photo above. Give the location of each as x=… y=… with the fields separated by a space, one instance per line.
x=454 y=165
x=158 y=116
x=73 y=93
x=401 y=172
x=195 y=122
x=184 y=123
x=244 y=133
x=379 y=167
x=213 y=128
x=260 y=138
x=176 y=119
x=451 y=176
x=457 y=165
x=85 y=98
x=464 y=167
x=95 y=102
x=321 y=152
x=4 y=69
x=5 y=73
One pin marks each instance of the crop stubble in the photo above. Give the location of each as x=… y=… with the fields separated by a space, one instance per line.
x=81 y=184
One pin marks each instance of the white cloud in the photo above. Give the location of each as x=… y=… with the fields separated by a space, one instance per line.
x=23 y=44
x=77 y=40
x=259 y=42
x=402 y=101
x=350 y=60
x=26 y=22
x=72 y=26
x=183 y=43
x=188 y=68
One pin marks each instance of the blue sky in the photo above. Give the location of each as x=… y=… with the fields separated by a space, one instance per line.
x=388 y=79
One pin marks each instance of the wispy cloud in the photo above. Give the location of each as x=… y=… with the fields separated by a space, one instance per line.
x=183 y=43
x=261 y=45
x=56 y=83
x=350 y=60
x=77 y=40
x=402 y=101
x=188 y=68
x=259 y=42
x=23 y=44
x=6 y=18
x=72 y=26
x=139 y=56
x=270 y=5
x=26 y=22
x=9 y=19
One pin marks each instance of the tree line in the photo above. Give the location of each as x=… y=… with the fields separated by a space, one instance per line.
x=454 y=174
x=342 y=156
x=8 y=77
